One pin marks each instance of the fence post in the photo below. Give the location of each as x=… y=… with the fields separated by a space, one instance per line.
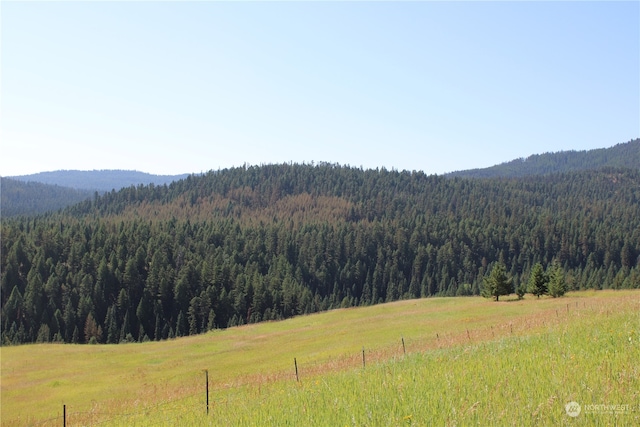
x=295 y=362
x=363 y=362
x=64 y=415
x=404 y=350
x=206 y=375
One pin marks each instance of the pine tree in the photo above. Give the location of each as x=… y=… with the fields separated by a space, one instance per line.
x=192 y=315
x=212 y=319
x=498 y=283
x=34 y=301
x=181 y=327
x=537 y=281
x=92 y=330
x=157 y=334
x=125 y=330
x=110 y=322
x=11 y=310
x=557 y=284
x=69 y=321
x=44 y=334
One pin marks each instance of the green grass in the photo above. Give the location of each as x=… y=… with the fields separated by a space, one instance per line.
x=521 y=380
x=468 y=361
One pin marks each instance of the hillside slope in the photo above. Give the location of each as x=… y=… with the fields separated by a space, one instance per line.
x=98 y=180
x=626 y=155
x=49 y=191
x=249 y=244
x=32 y=198
x=458 y=340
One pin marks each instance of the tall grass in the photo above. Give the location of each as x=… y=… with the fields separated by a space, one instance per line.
x=593 y=359
x=520 y=380
x=512 y=363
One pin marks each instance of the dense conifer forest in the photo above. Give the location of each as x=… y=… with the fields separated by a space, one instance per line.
x=268 y=242
x=625 y=155
x=98 y=180
x=51 y=191
x=21 y=198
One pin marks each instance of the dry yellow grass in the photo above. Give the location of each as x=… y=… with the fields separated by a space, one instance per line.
x=106 y=379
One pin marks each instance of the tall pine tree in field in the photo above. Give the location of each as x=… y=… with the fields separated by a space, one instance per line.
x=557 y=284
x=538 y=281
x=498 y=283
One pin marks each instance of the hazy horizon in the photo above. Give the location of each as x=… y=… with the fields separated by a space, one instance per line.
x=249 y=165
x=169 y=88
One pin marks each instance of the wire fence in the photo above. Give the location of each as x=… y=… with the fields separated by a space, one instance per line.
x=166 y=410
x=196 y=399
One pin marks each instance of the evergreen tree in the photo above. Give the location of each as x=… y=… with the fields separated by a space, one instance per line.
x=211 y=324
x=12 y=308
x=537 y=281
x=192 y=315
x=34 y=300
x=92 y=332
x=44 y=334
x=69 y=321
x=111 y=323
x=498 y=283
x=144 y=313
x=125 y=330
x=181 y=327
x=557 y=283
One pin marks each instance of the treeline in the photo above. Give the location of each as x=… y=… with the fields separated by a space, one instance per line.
x=31 y=198
x=259 y=243
x=98 y=180
x=626 y=155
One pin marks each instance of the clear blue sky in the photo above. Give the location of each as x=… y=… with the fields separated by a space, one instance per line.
x=170 y=87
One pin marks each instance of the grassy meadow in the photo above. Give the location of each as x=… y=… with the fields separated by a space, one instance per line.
x=466 y=361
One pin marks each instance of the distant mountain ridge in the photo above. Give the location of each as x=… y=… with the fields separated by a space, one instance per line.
x=49 y=191
x=28 y=198
x=624 y=155
x=98 y=180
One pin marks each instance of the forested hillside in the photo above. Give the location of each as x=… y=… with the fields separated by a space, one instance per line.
x=626 y=155
x=98 y=180
x=31 y=198
x=26 y=195
x=50 y=191
x=258 y=243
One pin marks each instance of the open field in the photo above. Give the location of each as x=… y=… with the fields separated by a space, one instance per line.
x=468 y=361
